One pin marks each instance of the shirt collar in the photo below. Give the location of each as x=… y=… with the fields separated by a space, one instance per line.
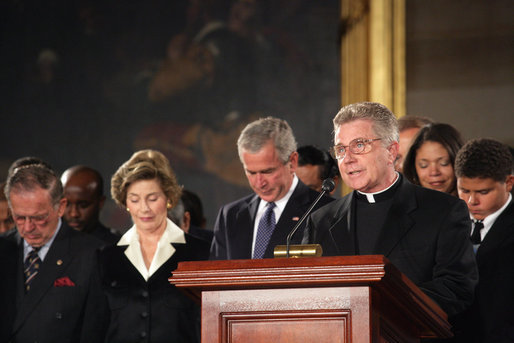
x=165 y=249
x=280 y=203
x=490 y=219
x=373 y=197
x=45 y=247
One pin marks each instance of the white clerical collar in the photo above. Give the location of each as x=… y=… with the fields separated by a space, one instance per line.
x=371 y=196
x=172 y=234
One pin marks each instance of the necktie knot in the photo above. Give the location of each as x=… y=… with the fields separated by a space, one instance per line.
x=476 y=238
x=264 y=231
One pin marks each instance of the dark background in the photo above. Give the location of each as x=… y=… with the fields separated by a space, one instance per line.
x=90 y=82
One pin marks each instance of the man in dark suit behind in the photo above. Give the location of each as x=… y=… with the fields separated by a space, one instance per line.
x=267 y=149
x=83 y=190
x=484 y=181
x=424 y=233
x=58 y=298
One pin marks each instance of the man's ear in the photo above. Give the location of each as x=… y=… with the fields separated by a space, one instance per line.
x=62 y=206
x=293 y=160
x=186 y=223
x=393 y=149
x=509 y=182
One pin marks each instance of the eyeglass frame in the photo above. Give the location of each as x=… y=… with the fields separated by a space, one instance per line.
x=37 y=220
x=366 y=142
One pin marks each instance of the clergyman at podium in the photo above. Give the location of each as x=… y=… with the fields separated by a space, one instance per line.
x=424 y=233
x=252 y=226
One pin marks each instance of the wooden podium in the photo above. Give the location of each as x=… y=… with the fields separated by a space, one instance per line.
x=309 y=300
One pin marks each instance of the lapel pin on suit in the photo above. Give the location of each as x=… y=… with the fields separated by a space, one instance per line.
x=295 y=219
x=59 y=262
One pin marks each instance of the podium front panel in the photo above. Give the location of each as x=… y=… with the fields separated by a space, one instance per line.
x=307 y=315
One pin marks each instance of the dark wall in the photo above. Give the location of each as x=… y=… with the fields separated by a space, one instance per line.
x=90 y=82
x=460 y=58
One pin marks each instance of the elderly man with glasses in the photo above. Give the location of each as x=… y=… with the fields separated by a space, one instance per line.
x=50 y=287
x=424 y=233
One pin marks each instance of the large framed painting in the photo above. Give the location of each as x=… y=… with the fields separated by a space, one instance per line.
x=89 y=82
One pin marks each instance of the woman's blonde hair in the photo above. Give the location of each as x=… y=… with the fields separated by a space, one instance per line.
x=145 y=165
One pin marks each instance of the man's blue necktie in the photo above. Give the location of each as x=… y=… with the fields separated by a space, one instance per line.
x=264 y=231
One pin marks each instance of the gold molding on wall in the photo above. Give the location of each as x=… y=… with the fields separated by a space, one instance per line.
x=373 y=53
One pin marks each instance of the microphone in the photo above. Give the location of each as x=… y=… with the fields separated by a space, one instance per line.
x=328 y=185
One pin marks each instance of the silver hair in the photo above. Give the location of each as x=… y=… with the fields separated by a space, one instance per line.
x=385 y=124
x=30 y=177
x=258 y=133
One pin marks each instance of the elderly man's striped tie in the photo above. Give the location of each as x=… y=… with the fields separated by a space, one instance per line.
x=32 y=264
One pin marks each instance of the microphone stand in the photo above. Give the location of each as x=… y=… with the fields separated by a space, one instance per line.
x=328 y=186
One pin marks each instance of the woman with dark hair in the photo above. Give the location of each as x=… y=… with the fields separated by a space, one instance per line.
x=143 y=305
x=431 y=158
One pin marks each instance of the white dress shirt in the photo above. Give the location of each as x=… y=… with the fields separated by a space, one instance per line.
x=280 y=205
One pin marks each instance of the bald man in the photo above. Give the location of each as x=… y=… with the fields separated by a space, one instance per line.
x=83 y=188
x=409 y=127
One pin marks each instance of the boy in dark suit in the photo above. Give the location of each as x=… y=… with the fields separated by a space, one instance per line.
x=484 y=180
x=52 y=291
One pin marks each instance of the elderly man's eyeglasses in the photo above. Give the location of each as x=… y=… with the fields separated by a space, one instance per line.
x=357 y=146
x=38 y=220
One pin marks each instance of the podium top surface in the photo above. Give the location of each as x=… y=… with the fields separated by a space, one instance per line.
x=286 y=272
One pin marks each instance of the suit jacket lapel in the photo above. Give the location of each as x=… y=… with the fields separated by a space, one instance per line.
x=295 y=208
x=502 y=228
x=339 y=230
x=20 y=277
x=56 y=262
x=171 y=264
x=398 y=221
x=242 y=231
x=119 y=267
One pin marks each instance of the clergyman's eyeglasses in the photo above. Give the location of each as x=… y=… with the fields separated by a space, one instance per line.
x=358 y=146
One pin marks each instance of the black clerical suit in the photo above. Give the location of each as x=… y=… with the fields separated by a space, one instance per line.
x=233 y=230
x=424 y=233
x=65 y=298
x=491 y=317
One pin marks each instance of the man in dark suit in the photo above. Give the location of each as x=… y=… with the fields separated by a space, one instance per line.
x=188 y=215
x=316 y=165
x=267 y=149
x=83 y=189
x=485 y=180
x=52 y=290
x=424 y=233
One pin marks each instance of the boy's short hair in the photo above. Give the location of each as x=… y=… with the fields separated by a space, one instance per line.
x=484 y=158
